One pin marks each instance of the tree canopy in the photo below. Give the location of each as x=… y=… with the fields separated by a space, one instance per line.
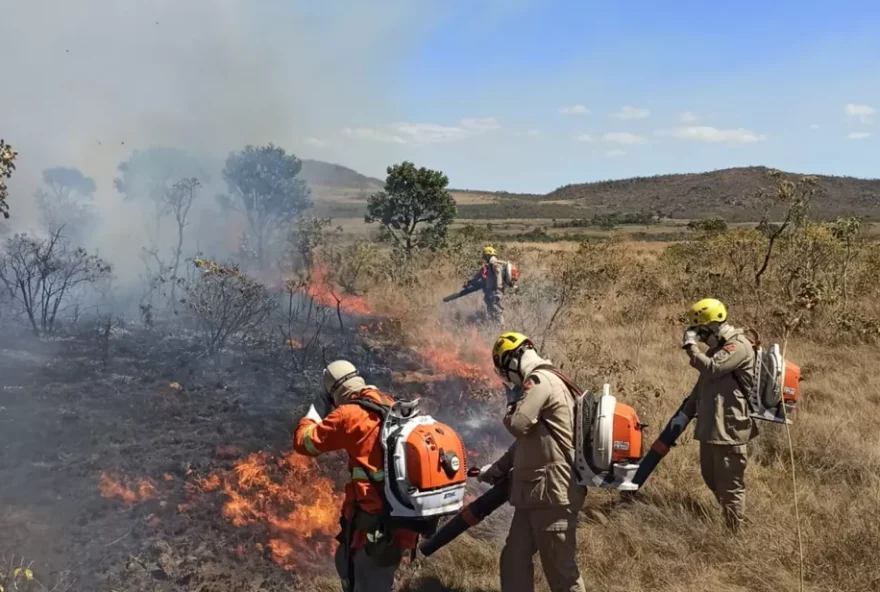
x=264 y=184
x=7 y=165
x=415 y=209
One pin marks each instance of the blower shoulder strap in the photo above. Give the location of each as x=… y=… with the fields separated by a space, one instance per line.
x=574 y=391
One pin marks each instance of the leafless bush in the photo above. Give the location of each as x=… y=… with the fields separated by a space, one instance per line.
x=43 y=277
x=226 y=303
x=303 y=324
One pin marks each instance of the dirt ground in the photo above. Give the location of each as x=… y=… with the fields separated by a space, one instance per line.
x=157 y=418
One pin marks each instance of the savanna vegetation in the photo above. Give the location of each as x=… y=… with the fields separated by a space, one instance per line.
x=216 y=351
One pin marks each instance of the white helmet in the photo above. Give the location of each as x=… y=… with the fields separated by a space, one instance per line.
x=340 y=379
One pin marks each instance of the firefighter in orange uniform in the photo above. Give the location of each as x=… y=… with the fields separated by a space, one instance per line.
x=370 y=548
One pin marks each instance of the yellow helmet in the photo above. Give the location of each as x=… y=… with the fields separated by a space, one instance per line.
x=506 y=347
x=706 y=311
x=488 y=251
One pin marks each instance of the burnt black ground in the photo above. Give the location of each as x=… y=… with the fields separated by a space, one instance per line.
x=65 y=418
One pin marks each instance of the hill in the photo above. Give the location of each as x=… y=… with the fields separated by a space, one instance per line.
x=728 y=193
x=324 y=174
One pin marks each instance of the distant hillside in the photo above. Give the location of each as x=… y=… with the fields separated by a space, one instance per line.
x=324 y=174
x=729 y=193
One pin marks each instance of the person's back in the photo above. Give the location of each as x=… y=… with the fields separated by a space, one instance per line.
x=371 y=547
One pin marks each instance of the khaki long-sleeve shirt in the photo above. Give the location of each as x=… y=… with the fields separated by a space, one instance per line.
x=720 y=397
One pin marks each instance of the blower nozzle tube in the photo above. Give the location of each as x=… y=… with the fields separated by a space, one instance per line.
x=666 y=440
x=471 y=515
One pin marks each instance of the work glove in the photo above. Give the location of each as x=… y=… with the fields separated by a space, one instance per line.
x=679 y=422
x=689 y=339
x=320 y=407
x=483 y=477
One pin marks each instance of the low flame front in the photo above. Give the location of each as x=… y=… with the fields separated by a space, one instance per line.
x=129 y=491
x=289 y=496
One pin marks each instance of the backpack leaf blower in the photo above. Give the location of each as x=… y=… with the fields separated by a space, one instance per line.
x=471 y=515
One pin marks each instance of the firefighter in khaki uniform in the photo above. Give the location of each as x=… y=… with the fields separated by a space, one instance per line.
x=370 y=549
x=490 y=274
x=544 y=490
x=720 y=401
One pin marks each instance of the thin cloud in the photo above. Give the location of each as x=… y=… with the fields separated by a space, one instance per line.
x=703 y=133
x=624 y=138
x=532 y=133
x=864 y=113
x=372 y=135
x=574 y=110
x=425 y=133
x=859 y=135
x=584 y=138
x=615 y=153
x=689 y=117
x=815 y=126
x=317 y=142
x=630 y=112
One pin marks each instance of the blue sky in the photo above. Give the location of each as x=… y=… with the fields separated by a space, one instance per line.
x=520 y=95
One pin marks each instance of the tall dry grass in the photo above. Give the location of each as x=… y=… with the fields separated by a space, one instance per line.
x=620 y=324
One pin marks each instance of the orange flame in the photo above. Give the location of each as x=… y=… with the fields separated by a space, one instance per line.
x=447 y=355
x=127 y=490
x=322 y=290
x=299 y=507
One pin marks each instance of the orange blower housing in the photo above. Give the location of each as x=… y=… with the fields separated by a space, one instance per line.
x=627 y=435
x=435 y=457
x=608 y=439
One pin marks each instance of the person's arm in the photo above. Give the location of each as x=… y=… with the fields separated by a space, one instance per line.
x=500 y=468
x=314 y=438
x=724 y=361
x=522 y=416
x=690 y=406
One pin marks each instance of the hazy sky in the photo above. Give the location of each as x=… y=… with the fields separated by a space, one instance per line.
x=523 y=95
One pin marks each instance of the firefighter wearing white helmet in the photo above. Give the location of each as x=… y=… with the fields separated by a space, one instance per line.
x=490 y=275
x=720 y=401
x=371 y=546
x=544 y=490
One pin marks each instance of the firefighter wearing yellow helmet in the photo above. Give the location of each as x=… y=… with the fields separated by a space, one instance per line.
x=490 y=276
x=543 y=487
x=720 y=401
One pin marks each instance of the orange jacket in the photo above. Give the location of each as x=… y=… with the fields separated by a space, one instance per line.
x=355 y=430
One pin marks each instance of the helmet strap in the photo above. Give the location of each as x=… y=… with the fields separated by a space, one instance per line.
x=339 y=382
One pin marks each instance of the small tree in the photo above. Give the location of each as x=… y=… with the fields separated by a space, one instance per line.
x=67 y=202
x=179 y=200
x=226 y=303
x=149 y=175
x=415 y=209
x=7 y=165
x=795 y=197
x=265 y=186
x=42 y=276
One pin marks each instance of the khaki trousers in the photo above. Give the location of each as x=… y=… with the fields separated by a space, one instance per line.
x=723 y=468
x=550 y=532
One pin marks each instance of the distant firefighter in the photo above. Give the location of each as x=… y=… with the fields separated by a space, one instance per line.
x=494 y=277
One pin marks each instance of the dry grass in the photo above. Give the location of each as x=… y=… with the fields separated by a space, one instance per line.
x=672 y=538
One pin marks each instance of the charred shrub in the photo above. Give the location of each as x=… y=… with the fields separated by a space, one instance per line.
x=45 y=278
x=227 y=305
